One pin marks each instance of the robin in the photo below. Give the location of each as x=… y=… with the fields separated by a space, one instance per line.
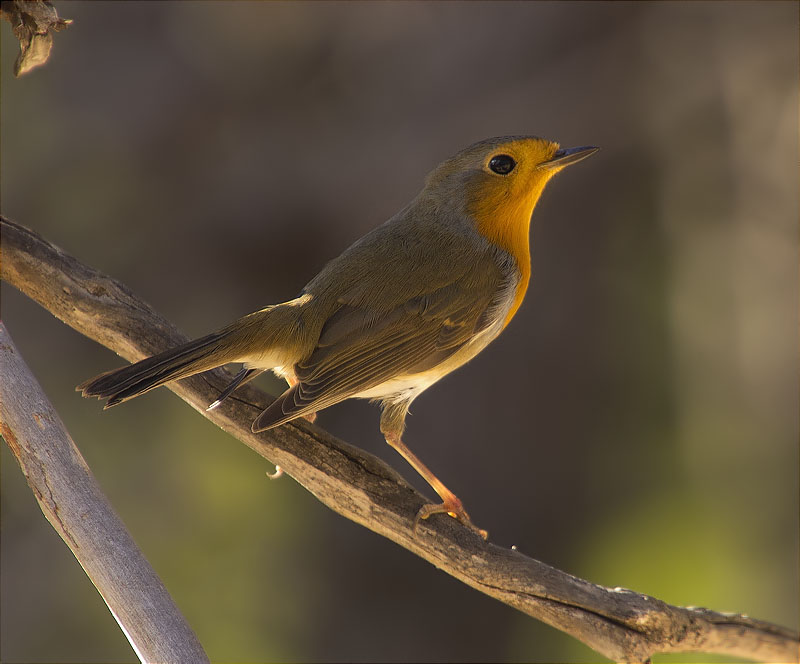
x=402 y=307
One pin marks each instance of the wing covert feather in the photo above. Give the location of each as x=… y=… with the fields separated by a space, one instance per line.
x=360 y=348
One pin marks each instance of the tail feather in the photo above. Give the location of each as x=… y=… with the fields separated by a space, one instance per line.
x=273 y=336
x=122 y=384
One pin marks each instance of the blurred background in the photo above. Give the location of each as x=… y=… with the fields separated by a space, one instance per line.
x=636 y=425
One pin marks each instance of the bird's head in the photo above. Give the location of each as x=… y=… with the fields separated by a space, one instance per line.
x=497 y=182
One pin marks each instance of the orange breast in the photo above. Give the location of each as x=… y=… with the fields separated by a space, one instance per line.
x=504 y=218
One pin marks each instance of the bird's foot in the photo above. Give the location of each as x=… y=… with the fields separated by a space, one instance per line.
x=453 y=507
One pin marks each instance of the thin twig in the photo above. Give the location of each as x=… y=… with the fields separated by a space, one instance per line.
x=621 y=624
x=76 y=507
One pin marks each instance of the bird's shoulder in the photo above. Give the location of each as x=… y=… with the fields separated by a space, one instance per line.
x=416 y=253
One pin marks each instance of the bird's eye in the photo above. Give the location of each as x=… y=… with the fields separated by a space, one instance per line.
x=502 y=164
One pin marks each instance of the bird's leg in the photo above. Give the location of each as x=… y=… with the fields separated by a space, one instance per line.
x=244 y=376
x=311 y=417
x=450 y=502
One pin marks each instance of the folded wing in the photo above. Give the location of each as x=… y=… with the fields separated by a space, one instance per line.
x=360 y=349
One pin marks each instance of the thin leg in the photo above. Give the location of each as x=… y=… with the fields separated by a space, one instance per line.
x=244 y=376
x=450 y=503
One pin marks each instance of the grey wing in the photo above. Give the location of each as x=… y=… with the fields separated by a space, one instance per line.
x=360 y=349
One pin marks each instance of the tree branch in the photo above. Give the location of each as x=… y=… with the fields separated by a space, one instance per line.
x=621 y=624
x=78 y=510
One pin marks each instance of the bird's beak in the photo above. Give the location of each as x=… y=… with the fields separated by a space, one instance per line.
x=567 y=156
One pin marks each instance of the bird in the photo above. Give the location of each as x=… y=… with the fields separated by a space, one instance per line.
x=403 y=306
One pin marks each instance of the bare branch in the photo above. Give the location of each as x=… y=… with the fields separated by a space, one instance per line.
x=621 y=624
x=78 y=510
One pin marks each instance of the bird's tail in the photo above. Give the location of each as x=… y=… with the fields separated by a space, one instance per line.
x=122 y=384
x=266 y=338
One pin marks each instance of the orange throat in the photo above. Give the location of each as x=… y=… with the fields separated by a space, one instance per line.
x=504 y=219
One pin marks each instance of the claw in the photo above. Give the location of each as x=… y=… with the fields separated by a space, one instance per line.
x=450 y=503
x=453 y=508
x=277 y=474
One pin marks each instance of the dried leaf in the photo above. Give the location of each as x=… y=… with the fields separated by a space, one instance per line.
x=32 y=22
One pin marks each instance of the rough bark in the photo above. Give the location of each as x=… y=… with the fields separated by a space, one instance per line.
x=621 y=624
x=76 y=507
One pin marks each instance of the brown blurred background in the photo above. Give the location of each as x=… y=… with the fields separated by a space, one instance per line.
x=637 y=423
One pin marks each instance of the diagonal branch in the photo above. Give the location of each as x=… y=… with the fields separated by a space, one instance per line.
x=621 y=624
x=76 y=507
